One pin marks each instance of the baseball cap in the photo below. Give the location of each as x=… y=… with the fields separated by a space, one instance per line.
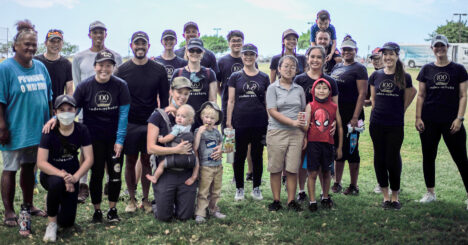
x=97 y=24
x=190 y=24
x=391 y=46
x=348 y=43
x=290 y=32
x=439 y=38
x=375 y=52
x=195 y=43
x=212 y=105
x=64 y=98
x=323 y=15
x=54 y=33
x=249 y=48
x=168 y=33
x=104 y=55
x=181 y=82
x=140 y=35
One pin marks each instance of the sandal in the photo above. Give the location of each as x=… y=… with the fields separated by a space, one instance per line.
x=9 y=221
x=24 y=220
x=37 y=212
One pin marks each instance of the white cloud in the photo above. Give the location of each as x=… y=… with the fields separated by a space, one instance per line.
x=47 y=3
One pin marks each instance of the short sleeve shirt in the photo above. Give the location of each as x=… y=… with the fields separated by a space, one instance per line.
x=60 y=72
x=301 y=63
x=315 y=28
x=307 y=82
x=208 y=141
x=208 y=60
x=287 y=102
x=346 y=78
x=171 y=65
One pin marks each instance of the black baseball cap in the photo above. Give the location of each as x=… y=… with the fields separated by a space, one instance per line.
x=390 y=46
x=140 y=35
x=104 y=55
x=195 y=43
x=64 y=98
x=249 y=48
x=190 y=24
x=97 y=25
x=168 y=33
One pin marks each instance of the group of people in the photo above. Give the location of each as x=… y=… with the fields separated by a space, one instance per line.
x=162 y=114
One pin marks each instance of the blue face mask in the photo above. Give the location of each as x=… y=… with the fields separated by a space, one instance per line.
x=174 y=104
x=194 y=78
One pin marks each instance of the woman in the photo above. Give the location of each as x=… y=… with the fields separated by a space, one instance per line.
x=248 y=116
x=315 y=56
x=25 y=102
x=351 y=77
x=60 y=170
x=176 y=189
x=285 y=138
x=440 y=110
x=392 y=92
x=289 y=44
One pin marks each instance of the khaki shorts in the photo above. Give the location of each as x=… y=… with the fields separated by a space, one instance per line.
x=12 y=160
x=284 y=150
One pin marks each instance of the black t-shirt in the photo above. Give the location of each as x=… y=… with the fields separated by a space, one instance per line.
x=442 y=91
x=208 y=60
x=60 y=72
x=200 y=90
x=145 y=83
x=65 y=156
x=171 y=65
x=306 y=83
x=300 y=58
x=100 y=103
x=227 y=65
x=249 y=107
x=389 y=108
x=346 y=78
x=328 y=67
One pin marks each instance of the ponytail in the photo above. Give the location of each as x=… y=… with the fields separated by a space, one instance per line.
x=400 y=78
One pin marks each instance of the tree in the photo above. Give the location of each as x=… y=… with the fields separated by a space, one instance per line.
x=217 y=44
x=304 y=40
x=67 y=49
x=456 y=32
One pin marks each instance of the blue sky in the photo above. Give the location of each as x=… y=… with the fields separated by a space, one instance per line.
x=370 y=22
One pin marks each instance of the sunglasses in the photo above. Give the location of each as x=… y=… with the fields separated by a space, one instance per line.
x=195 y=50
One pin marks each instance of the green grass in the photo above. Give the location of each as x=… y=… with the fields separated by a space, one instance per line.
x=354 y=220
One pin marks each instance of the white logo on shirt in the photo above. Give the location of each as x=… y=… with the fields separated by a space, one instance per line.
x=441 y=79
x=250 y=87
x=236 y=67
x=387 y=86
x=103 y=99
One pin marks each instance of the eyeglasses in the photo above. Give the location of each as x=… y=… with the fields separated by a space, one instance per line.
x=195 y=50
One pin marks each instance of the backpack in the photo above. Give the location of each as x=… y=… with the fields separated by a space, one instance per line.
x=207 y=71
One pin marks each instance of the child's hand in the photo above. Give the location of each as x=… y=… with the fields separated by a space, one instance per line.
x=202 y=128
x=160 y=139
x=329 y=57
x=217 y=153
x=304 y=143
x=339 y=153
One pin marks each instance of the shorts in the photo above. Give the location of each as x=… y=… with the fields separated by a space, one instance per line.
x=135 y=141
x=319 y=155
x=284 y=150
x=350 y=154
x=13 y=159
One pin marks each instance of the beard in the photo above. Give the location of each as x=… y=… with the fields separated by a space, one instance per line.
x=140 y=57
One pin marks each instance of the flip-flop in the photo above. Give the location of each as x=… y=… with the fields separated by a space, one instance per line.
x=38 y=212
x=8 y=221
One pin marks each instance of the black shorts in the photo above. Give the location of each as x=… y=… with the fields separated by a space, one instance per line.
x=135 y=141
x=320 y=155
x=350 y=155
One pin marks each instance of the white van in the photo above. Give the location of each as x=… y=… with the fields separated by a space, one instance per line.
x=417 y=55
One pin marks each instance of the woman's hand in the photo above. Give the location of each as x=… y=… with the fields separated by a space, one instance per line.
x=298 y=123
x=69 y=187
x=191 y=180
x=184 y=147
x=456 y=125
x=228 y=124
x=354 y=122
x=49 y=125
x=217 y=153
x=304 y=143
x=70 y=178
x=118 y=149
x=419 y=124
x=170 y=110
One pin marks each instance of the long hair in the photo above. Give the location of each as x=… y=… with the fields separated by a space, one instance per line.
x=322 y=51
x=400 y=75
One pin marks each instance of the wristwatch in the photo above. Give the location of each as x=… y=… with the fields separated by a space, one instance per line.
x=461 y=118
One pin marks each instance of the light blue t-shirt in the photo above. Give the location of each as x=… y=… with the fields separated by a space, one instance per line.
x=26 y=92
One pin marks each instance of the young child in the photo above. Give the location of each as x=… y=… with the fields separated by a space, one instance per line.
x=321 y=113
x=207 y=143
x=184 y=121
x=323 y=23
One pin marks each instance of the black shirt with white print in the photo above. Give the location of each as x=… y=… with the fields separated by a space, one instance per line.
x=171 y=65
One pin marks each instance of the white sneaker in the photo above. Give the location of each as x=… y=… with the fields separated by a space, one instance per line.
x=218 y=215
x=239 y=194
x=377 y=189
x=256 y=194
x=51 y=233
x=428 y=197
x=131 y=206
x=199 y=219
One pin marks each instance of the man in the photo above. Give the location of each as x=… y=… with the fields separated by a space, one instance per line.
x=191 y=31
x=322 y=38
x=59 y=67
x=169 y=59
x=82 y=68
x=147 y=82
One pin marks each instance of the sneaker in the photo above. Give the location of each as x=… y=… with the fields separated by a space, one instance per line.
x=112 y=215
x=313 y=207
x=239 y=194
x=83 y=194
x=131 y=206
x=97 y=216
x=275 y=206
x=386 y=205
x=336 y=188
x=51 y=232
x=294 y=206
x=249 y=177
x=218 y=215
x=327 y=203
x=146 y=206
x=199 y=219
x=256 y=194
x=301 y=197
x=428 y=197
x=396 y=205
x=377 y=189
x=351 y=190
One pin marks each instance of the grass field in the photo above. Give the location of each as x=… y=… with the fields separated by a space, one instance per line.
x=354 y=220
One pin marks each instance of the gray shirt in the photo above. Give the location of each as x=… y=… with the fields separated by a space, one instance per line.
x=208 y=141
x=287 y=102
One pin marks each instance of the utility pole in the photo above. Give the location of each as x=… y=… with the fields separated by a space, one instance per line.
x=217 y=29
x=459 y=24
x=8 y=48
